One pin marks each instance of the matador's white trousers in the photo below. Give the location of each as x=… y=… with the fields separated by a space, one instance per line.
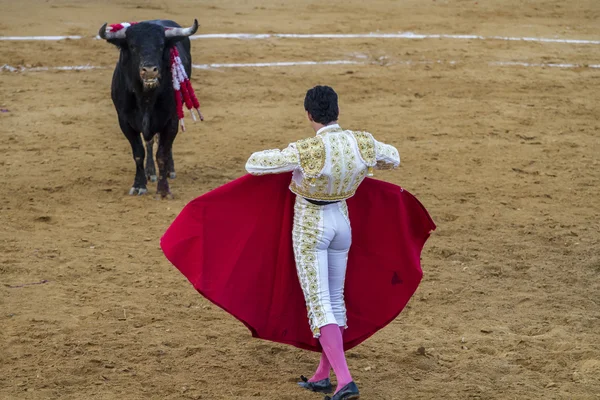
x=322 y=239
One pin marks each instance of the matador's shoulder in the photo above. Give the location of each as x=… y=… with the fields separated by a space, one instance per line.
x=312 y=156
x=366 y=147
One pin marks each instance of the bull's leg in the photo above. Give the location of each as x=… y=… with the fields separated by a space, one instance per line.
x=150 y=167
x=163 y=156
x=171 y=166
x=139 y=184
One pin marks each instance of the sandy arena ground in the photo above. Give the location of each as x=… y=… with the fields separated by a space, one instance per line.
x=506 y=159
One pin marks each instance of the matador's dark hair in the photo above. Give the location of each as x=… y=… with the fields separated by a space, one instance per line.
x=321 y=102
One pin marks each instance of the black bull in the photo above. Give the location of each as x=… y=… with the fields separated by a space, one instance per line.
x=143 y=95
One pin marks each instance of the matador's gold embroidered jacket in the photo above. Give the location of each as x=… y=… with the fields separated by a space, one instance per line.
x=329 y=166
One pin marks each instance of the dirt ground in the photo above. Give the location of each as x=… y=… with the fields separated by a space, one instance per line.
x=504 y=157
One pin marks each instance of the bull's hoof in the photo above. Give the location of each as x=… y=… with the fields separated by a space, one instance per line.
x=172 y=175
x=162 y=189
x=152 y=178
x=137 y=191
x=164 y=196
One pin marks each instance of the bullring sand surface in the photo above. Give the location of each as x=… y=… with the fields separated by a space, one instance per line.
x=505 y=157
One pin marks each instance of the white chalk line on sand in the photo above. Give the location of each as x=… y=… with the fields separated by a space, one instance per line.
x=9 y=68
x=40 y=38
x=277 y=64
x=372 y=35
x=542 y=65
x=377 y=35
x=381 y=62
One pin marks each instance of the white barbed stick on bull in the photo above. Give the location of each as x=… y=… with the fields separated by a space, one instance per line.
x=183 y=88
x=177 y=90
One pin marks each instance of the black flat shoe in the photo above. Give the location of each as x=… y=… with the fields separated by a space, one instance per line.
x=348 y=392
x=322 y=386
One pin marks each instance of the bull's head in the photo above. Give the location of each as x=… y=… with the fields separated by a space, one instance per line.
x=144 y=47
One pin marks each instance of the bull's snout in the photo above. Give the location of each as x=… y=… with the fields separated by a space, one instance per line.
x=149 y=72
x=149 y=75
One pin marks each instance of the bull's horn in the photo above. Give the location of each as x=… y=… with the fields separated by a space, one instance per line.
x=182 y=32
x=112 y=33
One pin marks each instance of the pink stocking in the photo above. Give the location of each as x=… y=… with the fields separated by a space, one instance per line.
x=333 y=349
x=324 y=367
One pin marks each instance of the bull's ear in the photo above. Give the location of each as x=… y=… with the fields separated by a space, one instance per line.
x=174 y=35
x=115 y=38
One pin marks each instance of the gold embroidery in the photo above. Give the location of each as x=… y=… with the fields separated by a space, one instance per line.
x=366 y=146
x=343 y=177
x=358 y=180
x=336 y=163
x=321 y=196
x=350 y=162
x=272 y=160
x=321 y=186
x=312 y=156
x=344 y=209
x=331 y=168
x=308 y=219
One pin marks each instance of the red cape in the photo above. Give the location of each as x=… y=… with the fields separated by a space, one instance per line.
x=234 y=244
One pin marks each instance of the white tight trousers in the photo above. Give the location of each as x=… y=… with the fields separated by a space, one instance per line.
x=322 y=238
